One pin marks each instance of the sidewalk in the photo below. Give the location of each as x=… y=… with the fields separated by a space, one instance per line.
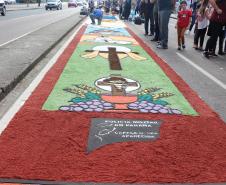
x=23 y=6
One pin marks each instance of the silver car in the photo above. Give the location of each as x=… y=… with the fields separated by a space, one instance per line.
x=53 y=4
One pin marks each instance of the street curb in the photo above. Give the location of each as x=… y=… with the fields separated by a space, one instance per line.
x=8 y=88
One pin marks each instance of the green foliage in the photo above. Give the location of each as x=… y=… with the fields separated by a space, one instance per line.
x=161 y=102
x=92 y=96
x=78 y=99
x=145 y=97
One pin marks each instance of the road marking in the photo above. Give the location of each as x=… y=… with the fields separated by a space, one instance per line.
x=7 y=117
x=20 y=37
x=213 y=78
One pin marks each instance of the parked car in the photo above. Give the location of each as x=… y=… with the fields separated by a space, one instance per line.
x=72 y=3
x=10 y=1
x=79 y=2
x=2 y=8
x=53 y=4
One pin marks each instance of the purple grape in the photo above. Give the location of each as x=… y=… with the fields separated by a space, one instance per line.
x=93 y=106
x=156 y=108
x=107 y=108
x=88 y=110
x=64 y=108
x=89 y=103
x=134 y=108
x=176 y=111
x=133 y=105
x=77 y=109
x=151 y=104
x=84 y=106
x=164 y=111
x=80 y=103
x=100 y=106
x=97 y=103
x=153 y=111
x=107 y=104
x=74 y=105
x=98 y=110
x=143 y=110
x=143 y=105
x=148 y=108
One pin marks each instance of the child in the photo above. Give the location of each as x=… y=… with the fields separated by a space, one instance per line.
x=184 y=18
x=203 y=16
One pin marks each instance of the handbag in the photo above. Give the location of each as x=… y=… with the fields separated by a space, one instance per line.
x=138 y=20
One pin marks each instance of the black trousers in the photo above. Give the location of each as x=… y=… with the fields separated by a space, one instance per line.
x=216 y=29
x=199 y=37
x=149 y=18
x=156 y=19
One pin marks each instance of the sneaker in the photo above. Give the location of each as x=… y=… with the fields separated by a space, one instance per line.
x=221 y=53
x=213 y=54
x=183 y=46
x=206 y=54
x=179 y=48
x=162 y=47
x=154 y=40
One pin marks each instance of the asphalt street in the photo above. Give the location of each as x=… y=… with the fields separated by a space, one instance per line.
x=23 y=22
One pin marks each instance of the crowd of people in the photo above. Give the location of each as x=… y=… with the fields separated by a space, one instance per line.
x=206 y=17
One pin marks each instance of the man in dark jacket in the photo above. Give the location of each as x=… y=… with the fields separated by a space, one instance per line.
x=146 y=9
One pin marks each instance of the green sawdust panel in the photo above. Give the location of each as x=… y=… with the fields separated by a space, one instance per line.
x=86 y=71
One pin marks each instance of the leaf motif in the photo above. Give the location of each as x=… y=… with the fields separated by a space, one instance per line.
x=91 y=55
x=136 y=56
x=161 y=102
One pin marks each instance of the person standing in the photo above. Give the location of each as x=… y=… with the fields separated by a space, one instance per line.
x=126 y=9
x=184 y=17
x=217 y=23
x=194 y=6
x=156 y=20
x=203 y=15
x=147 y=10
x=165 y=8
x=137 y=8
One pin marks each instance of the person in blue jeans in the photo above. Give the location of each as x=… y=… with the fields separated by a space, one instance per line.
x=165 y=8
x=96 y=14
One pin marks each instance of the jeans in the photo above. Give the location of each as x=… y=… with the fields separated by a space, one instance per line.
x=92 y=17
x=164 y=16
x=156 y=18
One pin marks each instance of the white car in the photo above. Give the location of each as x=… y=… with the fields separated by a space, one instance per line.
x=2 y=8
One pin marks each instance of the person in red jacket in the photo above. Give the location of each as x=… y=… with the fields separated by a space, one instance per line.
x=184 y=18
